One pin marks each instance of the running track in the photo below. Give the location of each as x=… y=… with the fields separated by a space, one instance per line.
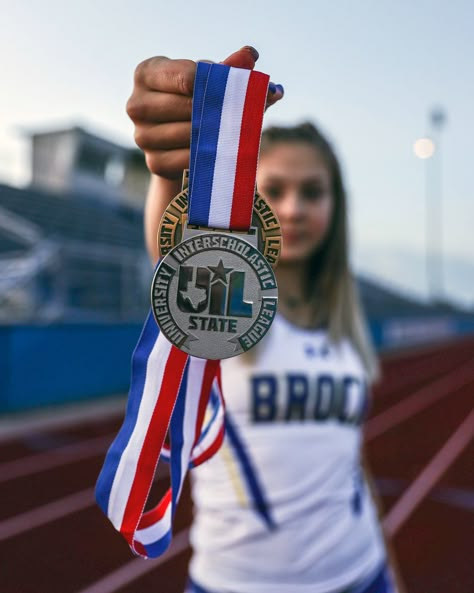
x=419 y=445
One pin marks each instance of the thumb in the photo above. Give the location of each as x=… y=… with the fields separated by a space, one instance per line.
x=243 y=58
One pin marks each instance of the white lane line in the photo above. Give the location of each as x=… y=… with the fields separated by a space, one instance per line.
x=57 y=509
x=15 y=425
x=455 y=497
x=408 y=353
x=418 y=401
x=46 y=514
x=138 y=567
x=394 y=380
x=33 y=464
x=427 y=478
x=461 y=498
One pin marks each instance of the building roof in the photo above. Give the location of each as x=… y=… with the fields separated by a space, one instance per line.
x=76 y=217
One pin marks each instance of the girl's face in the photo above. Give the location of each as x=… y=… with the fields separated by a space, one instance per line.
x=296 y=181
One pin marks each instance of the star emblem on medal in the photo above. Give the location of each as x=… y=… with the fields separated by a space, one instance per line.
x=220 y=272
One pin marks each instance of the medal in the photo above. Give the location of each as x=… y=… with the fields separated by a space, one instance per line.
x=210 y=300
x=214 y=294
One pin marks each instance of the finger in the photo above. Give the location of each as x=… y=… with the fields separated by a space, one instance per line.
x=243 y=58
x=246 y=58
x=153 y=107
x=167 y=136
x=165 y=75
x=275 y=93
x=168 y=163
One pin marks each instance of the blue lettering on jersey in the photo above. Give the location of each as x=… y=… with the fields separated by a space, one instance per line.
x=325 y=394
x=298 y=390
x=295 y=396
x=357 y=497
x=349 y=384
x=264 y=389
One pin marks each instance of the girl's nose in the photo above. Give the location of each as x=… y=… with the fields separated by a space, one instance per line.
x=291 y=207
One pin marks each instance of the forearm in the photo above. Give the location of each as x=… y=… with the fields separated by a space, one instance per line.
x=160 y=193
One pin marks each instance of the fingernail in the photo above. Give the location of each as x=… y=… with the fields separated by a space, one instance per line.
x=280 y=89
x=253 y=51
x=272 y=88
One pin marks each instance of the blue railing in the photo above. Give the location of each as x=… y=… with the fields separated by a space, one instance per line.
x=43 y=365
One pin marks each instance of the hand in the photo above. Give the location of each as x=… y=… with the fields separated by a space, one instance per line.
x=160 y=107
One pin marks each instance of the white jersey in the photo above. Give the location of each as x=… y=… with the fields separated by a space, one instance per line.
x=282 y=506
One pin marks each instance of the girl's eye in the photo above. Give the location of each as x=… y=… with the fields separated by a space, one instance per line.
x=272 y=192
x=312 y=192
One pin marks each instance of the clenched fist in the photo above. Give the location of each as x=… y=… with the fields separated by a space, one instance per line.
x=160 y=107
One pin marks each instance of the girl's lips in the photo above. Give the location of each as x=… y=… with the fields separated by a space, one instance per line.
x=292 y=236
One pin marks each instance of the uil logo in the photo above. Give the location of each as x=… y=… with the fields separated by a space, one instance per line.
x=213 y=290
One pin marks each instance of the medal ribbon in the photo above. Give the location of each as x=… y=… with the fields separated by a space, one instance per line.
x=228 y=107
x=170 y=390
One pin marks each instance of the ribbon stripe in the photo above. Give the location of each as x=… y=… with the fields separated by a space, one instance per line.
x=249 y=145
x=105 y=493
x=154 y=437
x=207 y=139
x=225 y=140
x=227 y=149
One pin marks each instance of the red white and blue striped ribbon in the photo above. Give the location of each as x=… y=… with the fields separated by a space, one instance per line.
x=212 y=434
x=154 y=531
x=170 y=390
x=228 y=107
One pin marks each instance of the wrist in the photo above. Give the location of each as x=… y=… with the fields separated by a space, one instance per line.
x=166 y=187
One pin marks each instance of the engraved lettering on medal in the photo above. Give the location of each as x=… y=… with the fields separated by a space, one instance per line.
x=160 y=292
x=261 y=325
x=168 y=229
x=266 y=214
x=265 y=226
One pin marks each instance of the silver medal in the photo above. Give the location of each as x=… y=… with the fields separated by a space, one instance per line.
x=214 y=295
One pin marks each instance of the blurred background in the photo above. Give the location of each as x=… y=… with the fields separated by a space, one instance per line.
x=391 y=83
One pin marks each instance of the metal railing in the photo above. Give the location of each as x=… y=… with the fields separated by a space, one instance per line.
x=73 y=281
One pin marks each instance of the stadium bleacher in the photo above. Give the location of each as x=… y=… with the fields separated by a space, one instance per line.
x=381 y=302
x=96 y=266
x=101 y=244
x=76 y=217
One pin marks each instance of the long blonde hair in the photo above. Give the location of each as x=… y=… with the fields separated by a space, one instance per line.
x=331 y=286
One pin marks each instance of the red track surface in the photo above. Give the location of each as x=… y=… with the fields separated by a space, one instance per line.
x=420 y=446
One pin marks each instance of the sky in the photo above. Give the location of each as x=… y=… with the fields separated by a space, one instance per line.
x=367 y=72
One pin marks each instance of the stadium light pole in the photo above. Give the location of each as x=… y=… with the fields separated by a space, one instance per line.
x=429 y=149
